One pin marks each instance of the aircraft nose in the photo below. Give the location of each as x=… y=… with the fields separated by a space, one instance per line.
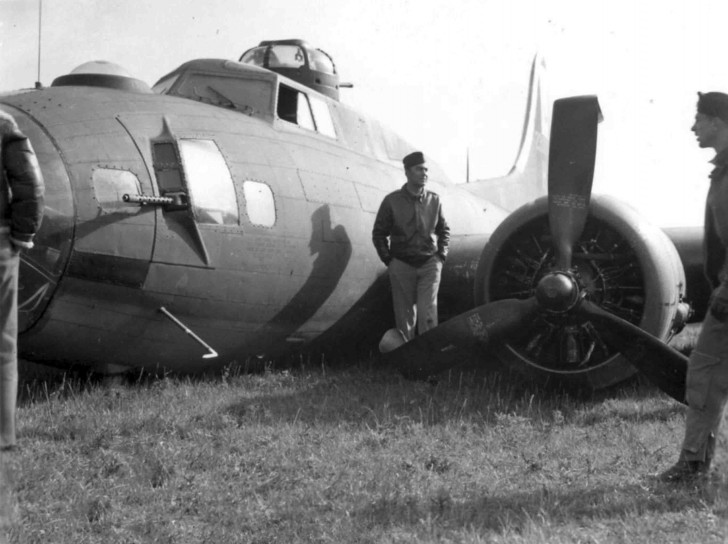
x=42 y=266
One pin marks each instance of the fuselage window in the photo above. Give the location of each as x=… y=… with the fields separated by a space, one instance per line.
x=259 y=203
x=322 y=116
x=111 y=185
x=212 y=193
x=166 y=166
x=293 y=107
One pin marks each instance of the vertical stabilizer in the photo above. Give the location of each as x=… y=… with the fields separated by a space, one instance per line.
x=527 y=179
x=533 y=150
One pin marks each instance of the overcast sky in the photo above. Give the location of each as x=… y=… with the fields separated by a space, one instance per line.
x=446 y=74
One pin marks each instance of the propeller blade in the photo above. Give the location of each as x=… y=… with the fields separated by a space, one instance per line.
x=662 y=365
x=443 y=346
x=571 y=171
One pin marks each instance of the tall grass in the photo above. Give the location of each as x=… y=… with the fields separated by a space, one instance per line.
x=352 y=455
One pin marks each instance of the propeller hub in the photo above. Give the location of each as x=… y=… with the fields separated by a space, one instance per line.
x=557 y=292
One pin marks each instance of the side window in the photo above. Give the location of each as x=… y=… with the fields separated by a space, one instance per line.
x=293 y=107
x=211 y=188
x=167 y=167
x=322 y=115
x=259 y=203
x=111 y=185
x=305 y=119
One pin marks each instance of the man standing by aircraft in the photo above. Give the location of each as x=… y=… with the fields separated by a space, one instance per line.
x=411 y=237
x=707 y=377
x=21 y=211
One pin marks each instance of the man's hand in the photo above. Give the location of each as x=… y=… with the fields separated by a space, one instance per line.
x=719 y=308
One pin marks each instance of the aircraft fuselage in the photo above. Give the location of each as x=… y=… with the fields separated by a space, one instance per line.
x=267 y=246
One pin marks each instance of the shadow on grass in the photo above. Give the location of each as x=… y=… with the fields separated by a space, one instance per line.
x=514 y=512
x=37 y=383
x=652 y=413
x=380 y=398
x=368 y=393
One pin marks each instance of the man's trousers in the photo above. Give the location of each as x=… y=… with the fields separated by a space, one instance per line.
x=707 y=383
x=414 y=295
x=9 y=265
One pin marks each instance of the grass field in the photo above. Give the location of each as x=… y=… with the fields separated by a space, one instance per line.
x=352 y=455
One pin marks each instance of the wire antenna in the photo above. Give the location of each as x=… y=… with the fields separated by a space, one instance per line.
x=467 y=165
x=38 y=84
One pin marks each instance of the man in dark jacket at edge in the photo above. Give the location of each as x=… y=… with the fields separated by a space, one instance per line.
x=21 y=211
x=707 y=378
x=411 y=237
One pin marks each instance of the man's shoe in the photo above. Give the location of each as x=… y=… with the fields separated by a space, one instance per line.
x=685 y=471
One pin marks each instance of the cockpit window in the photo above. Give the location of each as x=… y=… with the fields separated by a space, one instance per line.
x=164 y=85
x=309 y=112
x=212 y=192
x=293 y=107
x=322 y=116
x=248 y=96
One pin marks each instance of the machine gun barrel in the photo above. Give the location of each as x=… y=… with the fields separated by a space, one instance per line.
x=149 y=199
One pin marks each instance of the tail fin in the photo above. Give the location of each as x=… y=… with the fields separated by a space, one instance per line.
x=527 y=179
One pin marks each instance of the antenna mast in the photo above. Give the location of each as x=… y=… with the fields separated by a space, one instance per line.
x=467 y=165
x=38 y=84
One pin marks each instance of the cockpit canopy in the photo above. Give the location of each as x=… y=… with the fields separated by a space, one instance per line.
x=298 y=61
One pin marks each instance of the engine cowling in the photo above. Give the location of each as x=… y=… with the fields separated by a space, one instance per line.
x=621 y=262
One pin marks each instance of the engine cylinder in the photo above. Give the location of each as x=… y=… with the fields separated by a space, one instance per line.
x=621 y=262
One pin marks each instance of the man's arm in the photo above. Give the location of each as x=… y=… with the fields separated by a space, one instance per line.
x=713 y=251
x=442 y=230
x=381 y=231
x=26 y=187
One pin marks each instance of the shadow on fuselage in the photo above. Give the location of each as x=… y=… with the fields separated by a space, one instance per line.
x=333 y=249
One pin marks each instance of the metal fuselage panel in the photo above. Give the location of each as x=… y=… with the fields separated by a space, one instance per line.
x=246 y=289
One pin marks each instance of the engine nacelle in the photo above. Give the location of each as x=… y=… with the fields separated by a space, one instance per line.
x=621 y=262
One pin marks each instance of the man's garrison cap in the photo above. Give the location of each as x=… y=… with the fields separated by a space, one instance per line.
x=713 y=104
x=413 y=159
